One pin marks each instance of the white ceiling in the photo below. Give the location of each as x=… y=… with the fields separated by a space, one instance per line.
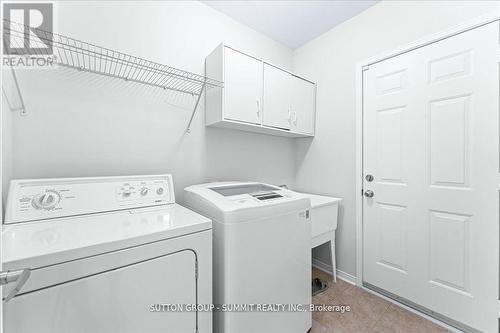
x=292 y=23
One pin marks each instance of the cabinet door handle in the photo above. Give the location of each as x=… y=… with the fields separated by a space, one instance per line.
x=295 y=117
x=289 y=115
x=258 y=108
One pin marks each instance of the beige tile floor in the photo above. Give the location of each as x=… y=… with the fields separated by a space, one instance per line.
x=369 y=313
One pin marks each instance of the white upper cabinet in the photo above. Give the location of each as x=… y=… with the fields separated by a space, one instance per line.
x=243 y=87
x=303 y=105
x=258 y=96
x=277 y=97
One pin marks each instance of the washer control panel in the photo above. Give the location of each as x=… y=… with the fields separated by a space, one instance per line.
x=35 y=199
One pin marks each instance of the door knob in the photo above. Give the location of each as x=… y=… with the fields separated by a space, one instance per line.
x=369 y=193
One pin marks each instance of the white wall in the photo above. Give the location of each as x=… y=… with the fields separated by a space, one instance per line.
x=326 y=164
x=10 y=101
x=6 y=147
x=87 y=125
x=84 y=125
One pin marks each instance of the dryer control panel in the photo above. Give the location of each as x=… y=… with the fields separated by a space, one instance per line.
x=36 y=199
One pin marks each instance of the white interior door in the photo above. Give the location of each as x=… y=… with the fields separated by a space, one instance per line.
x=243 y=87
x=303 y=105
x=277 y=97
x=431 y=143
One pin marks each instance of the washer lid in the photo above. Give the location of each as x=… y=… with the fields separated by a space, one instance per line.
x=229 y=190
x=38 y=244
x=242 y=201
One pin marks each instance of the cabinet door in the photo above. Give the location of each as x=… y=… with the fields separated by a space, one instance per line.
x=243 y=87
x=303 y=105
x=277 y=94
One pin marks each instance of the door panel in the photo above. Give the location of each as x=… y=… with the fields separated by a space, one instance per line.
x=390 y=112
x=389 y=154
x=448 y=128
x=450 y=66
x=243 y=87
x=392 y=243
x=277 y=95
x=431 y=143
x=449 y=251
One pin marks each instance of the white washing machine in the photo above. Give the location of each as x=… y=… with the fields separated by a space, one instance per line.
x=262 y=255
x=108 y=254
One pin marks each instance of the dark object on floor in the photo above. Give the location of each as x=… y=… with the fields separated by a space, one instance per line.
x=318 y=286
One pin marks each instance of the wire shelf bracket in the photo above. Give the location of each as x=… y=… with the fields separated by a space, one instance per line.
x=188 y=129
x=83 y=56
x=22 y=107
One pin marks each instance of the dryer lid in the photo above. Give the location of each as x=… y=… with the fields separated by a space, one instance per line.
x=41 y=243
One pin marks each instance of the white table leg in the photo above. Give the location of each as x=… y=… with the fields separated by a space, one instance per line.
x=334 y=261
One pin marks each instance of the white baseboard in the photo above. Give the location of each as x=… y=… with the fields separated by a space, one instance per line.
x=346 y=277
x=327 y=268
x=451 y=329
x=322 y=266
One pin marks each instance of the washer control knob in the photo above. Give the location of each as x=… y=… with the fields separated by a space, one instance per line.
x=144 y=191
x=47 y=200
x=160 y=190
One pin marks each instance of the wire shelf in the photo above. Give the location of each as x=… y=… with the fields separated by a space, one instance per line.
x=83 y=56
x=88 y=57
